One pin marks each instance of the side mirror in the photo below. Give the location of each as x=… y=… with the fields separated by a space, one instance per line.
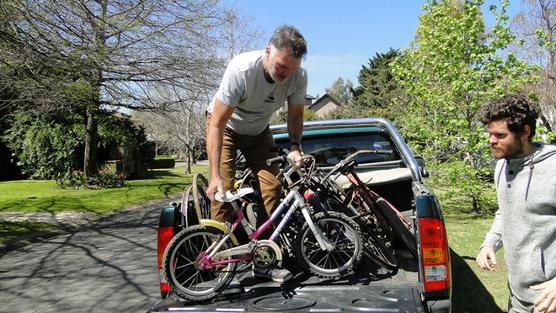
x=422 y=169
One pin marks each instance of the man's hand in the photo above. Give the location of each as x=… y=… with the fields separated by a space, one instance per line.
x=546 y=302
x=296 y=157
x=487 y=258
x=214 y=186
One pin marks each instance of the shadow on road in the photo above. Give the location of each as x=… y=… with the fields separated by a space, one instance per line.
x=109 y=267
x=468 y=293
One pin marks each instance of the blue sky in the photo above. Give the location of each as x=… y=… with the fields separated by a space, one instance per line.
x=342 y=35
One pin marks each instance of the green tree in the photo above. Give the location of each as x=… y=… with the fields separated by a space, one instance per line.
x=452 y=67
x=49 y=146
x=535 y=26
x=378 y=92
x=341 y=90
x=109 y=53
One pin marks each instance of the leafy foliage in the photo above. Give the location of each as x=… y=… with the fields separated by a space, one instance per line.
x=454 y=66
x=163 y=162
x=104 y=178
x=46 y=148
x=378 y=91
x=50 y=146
x=342 y=91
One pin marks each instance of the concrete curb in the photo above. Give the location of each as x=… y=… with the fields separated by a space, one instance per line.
x=71 y=223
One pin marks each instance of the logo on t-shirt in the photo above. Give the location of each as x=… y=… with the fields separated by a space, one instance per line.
x=270 y=98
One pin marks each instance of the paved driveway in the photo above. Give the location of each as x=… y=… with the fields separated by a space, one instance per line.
x=110 y=267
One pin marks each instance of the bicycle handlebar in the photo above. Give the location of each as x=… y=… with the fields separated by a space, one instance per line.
x=352 y=156
x=280 y=158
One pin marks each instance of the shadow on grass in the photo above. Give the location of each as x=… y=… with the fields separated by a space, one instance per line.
x=11 y=232
x=468 y=293
x=159 y=173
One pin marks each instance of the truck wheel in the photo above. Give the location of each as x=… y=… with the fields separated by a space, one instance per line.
x=180 y=268
x=340 y=231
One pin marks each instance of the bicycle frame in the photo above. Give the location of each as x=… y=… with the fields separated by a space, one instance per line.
x=213 y=257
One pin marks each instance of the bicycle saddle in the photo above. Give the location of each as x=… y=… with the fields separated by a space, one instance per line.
x=229 y=196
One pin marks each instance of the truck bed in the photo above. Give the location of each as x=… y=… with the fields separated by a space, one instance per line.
x=370 y=289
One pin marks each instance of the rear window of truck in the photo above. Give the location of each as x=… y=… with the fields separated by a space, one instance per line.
x=329 y=146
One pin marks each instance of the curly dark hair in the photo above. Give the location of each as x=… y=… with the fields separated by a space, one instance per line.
x=516 y=109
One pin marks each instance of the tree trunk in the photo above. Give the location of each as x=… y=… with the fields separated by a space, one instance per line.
x=189 y=160
x=90 y=159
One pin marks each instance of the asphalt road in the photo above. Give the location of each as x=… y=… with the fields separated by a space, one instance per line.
x=110 y=267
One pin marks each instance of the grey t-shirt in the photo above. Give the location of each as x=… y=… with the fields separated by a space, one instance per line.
x=244 y=87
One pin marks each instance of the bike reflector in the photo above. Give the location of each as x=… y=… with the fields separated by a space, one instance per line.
x=308 y=195
x=435 y=255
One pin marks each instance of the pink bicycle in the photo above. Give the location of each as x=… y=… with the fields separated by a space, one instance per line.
x=201 y=260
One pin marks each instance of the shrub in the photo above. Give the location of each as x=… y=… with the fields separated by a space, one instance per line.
x=45 y=149
x=163 y=162
x=103 y=179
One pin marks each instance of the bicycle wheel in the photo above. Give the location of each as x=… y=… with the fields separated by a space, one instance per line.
x=339 y=231
x=188 y=213
x=200 y=198
x=400 y=229
x=373 y=247
x=181 y=264
x=371 y=216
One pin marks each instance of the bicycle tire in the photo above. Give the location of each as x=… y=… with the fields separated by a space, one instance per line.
x=188 y=213
x=398 y=226
x=338 y=229
x=371 y=217
x=200 y=198
x=181 y=272
x=373 y=248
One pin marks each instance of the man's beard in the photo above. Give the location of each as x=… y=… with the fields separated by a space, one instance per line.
x=515 y=150
x=277 y=79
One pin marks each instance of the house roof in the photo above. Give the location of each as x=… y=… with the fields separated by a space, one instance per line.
x=324 y=98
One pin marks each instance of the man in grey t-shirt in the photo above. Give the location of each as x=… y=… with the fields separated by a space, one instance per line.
x=255 y=85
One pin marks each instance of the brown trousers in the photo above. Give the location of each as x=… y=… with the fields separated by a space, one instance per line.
x=256 y=149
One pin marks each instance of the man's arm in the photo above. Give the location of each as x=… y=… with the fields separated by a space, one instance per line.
x=295 y=131
x=486 y=259
x=221 y=113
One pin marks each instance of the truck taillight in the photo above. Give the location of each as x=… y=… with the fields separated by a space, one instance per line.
x=165 y=234
x=435 y=255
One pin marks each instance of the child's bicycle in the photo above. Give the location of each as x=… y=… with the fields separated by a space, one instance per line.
x=201 y=260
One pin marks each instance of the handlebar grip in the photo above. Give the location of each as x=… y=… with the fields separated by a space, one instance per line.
x=280 y=158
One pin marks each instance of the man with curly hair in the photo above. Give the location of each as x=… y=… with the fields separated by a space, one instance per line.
x=525 y=223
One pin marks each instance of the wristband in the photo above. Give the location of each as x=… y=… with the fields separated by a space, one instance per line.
x=295 y=143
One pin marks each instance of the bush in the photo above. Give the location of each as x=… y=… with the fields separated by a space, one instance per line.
x=163 y=162
x=467 y=189
x=103 y=179
x=46 y=149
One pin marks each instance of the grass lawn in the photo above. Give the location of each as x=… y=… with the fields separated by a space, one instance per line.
x=46 y=196
x=474 y=289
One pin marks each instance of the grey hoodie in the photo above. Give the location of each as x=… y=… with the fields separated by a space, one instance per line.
x=525 y=223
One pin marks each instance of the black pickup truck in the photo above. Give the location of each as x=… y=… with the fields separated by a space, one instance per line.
x=419 y=284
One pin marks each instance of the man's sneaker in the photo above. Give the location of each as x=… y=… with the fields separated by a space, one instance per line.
x=278 y=275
